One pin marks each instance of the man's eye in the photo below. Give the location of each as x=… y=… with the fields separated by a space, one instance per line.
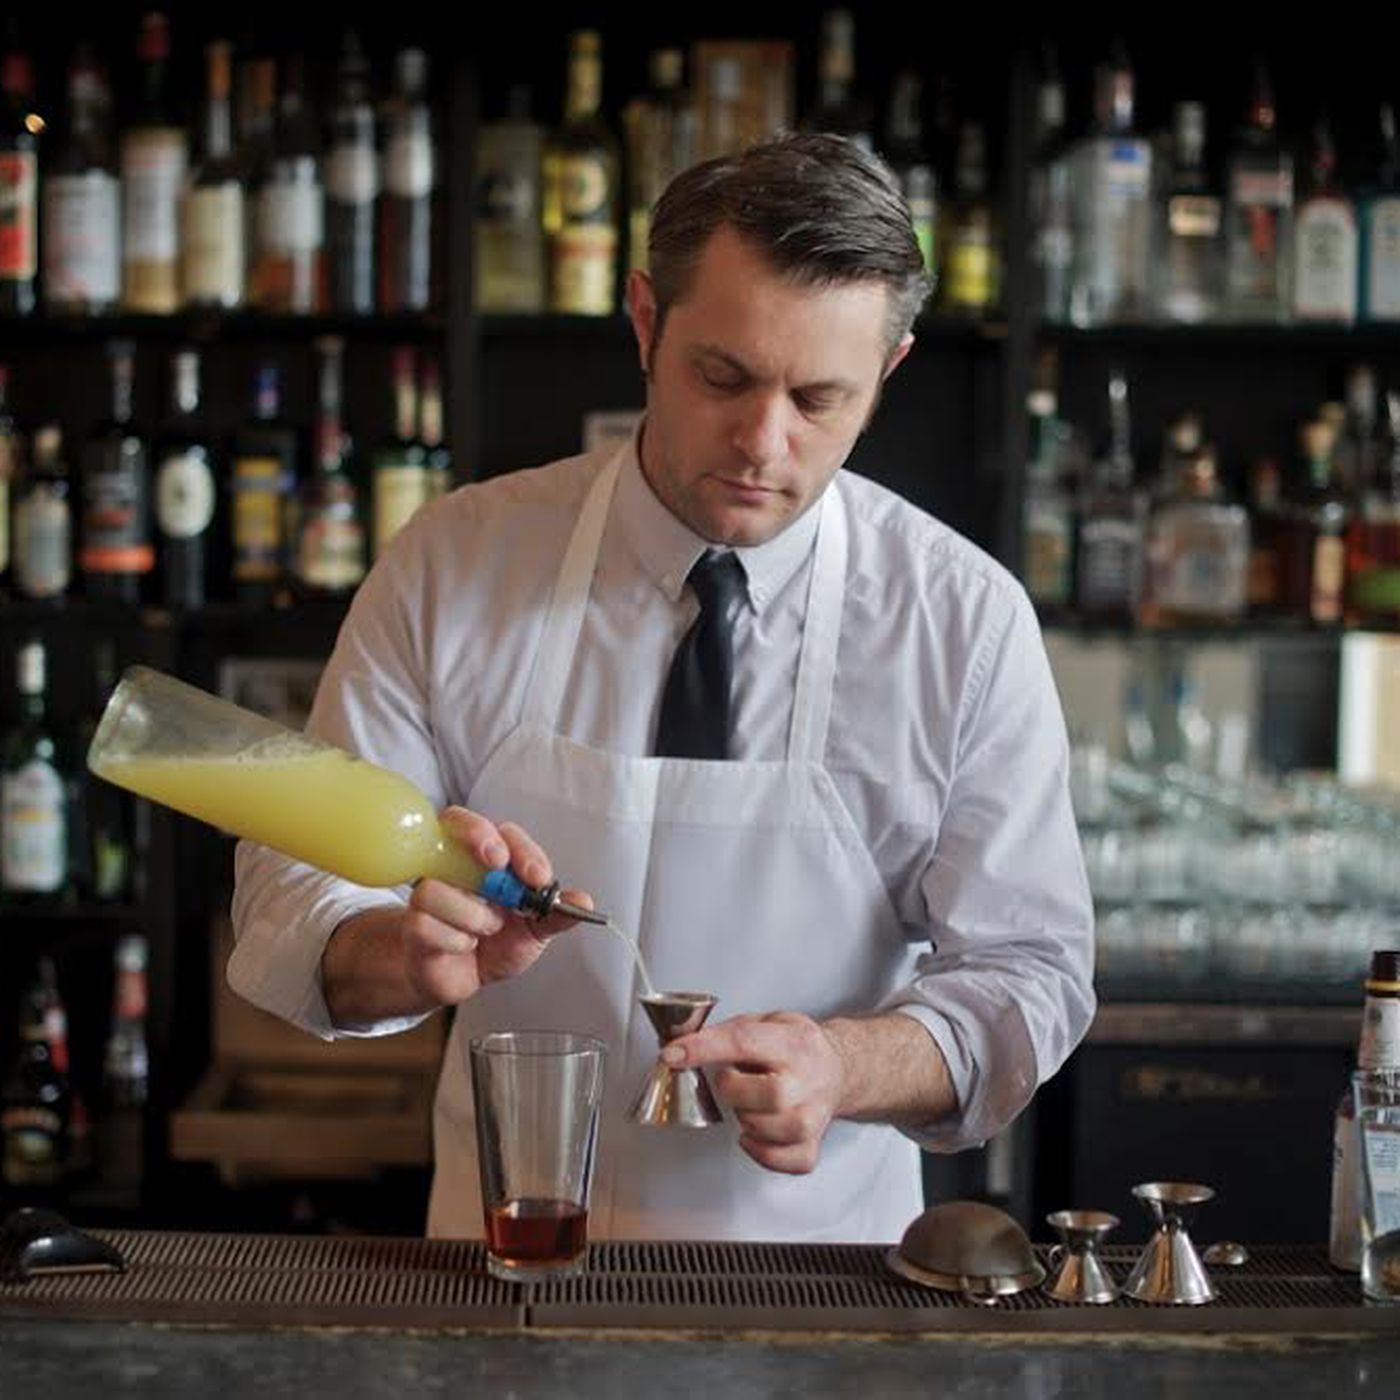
x=720 y=379
x=813 y=403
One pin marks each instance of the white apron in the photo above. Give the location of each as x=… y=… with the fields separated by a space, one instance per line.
x=747 y=880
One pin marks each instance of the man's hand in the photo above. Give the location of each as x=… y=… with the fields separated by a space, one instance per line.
x=785 y=1082
x=447 y=943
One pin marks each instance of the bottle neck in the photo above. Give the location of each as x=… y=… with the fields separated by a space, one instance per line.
x=585 y=88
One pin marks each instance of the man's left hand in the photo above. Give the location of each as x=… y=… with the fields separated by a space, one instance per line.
x=784 y=1079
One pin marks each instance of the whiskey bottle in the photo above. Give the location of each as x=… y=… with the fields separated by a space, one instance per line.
x=43 y=520
x=330 y=549
x=19 y=184
x=1112 y=518
x=262 y=477
x=213 y=257
x=581 y=192
x=1312 y=536
x=34 y=1108
x=1259 y=215
x=401 y=481
x=352 y=185
x=660 y=130
x=185 y=491
x=1373 y=537
x=406 y=205
x=508 y=237
x=34 y=811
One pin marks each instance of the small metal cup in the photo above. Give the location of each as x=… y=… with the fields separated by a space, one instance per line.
x=676 y=1098
x=1169 y=1270
x=1080 y=1275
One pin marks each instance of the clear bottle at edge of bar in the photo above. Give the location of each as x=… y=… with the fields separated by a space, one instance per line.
x=1259 y=215
x=1378 y=1048
x=1112 y=206
x=1188 y=262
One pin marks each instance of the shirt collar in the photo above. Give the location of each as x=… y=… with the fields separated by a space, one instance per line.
x=667 y=548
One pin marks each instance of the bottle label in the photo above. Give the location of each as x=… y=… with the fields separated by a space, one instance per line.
x=1380 y=1034
x=1329 y=565
x=408 y=165
x=213 y=252
x=43 y=544
x=332 y=553
x=1197 y=561
x=398 y=492
x=290 y=219
x=35 y=837
x=970 y=272
x=19 y=173
x=352 y=174
x=584 y=261
x=184 y=494
x=1047 y=563
x=257 y=519
x=1193 y=216
x=1110 y=560
x=1127 y=168
x=1380 y=1148
x=115 y=533
x=1383 y=261
x=1271 y=189
x=33 y=1137
x=584 y=188
x=1325 y=262
x=153 y=176
x=82 y=238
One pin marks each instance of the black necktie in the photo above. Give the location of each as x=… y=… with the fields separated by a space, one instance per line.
x=695 y=705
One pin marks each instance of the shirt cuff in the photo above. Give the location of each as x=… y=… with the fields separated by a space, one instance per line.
x=277 y=967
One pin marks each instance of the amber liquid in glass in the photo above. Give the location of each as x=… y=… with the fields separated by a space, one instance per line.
x=529 y=1230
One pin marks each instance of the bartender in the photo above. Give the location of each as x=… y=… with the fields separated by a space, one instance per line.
x=799 y=737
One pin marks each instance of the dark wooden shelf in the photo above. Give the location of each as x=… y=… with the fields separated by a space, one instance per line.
x=1249 y=630
x=1225 y=336
x=204 y=326
x=106 y=918
x=88 y=613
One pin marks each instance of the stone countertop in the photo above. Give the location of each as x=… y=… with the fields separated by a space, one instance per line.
x=52 y=1359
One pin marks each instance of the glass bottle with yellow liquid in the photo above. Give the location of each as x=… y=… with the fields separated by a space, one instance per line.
x=247 y=775
x=581 y=192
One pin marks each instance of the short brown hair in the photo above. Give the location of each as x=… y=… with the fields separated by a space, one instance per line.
x=820 y=208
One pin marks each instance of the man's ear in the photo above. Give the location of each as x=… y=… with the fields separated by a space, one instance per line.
x=897 y=355
x=641 y=308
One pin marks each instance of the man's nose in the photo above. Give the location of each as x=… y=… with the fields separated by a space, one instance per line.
x=761 y=432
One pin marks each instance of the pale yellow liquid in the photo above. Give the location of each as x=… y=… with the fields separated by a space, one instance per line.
x=636 y=948
x=327 y=808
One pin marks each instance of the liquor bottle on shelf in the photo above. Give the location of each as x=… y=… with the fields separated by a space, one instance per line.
x=126 y=1074
x=9 y=467
x=406 y=205
x=1196 y=551
x=330 y=548
x=1259 y=216
x=103 y=826
x=34 y=1108
x=971 y=282
x=581 y=192
x=1050 y=206
x=262 y=477
x=1112 y=511
x=154 y=157
x=400 y=481
x=1373 y=537
x=1188 y=261
x=34 y=807
x=43 y=520
x=909 y=159
x=1048 y=508
x=1266 y=529
x=1112 y=205
x=430 y=428
x=81 y=201
x=1324 y=240
x=660 y=130
x=1377 y=1049
x=185 y=491
x=508 y=241
x=1380 y=229
x=352 y=184
x=838 y=109
x=257 y=115
x=1359 y=448
x=288 y=272
x=1312 y=542
x=116 y=553
x=19 y=184
x=213 y=256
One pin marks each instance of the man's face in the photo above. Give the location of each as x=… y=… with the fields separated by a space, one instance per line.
x=757 y=390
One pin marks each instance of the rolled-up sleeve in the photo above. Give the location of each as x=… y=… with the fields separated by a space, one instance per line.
x=1006 y=991
x=372 y=701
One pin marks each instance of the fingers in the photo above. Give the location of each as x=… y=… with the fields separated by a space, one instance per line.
x=762 y=1043
x=527 y=857
x=795 y=1160
x=557 y=923
x=478 y=835
x=457 y=907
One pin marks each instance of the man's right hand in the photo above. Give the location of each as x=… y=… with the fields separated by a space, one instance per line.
x=448 y=942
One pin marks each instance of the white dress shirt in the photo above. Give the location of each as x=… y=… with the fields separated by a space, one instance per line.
x=946 y=740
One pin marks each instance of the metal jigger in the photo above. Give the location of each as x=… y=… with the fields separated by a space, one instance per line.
x=1080 y=1275
x=676 y=1098
x=1170 y=1270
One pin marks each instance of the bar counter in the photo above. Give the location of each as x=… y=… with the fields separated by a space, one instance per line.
x=349 y=1316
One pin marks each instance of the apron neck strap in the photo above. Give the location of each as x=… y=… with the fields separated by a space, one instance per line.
x=544 y=696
